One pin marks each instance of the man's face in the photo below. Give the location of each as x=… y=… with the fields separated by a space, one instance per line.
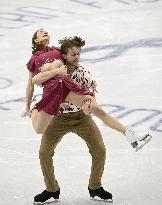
x=73 y=56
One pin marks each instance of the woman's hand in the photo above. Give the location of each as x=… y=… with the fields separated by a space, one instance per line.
x=27 y=112
x=62 y=70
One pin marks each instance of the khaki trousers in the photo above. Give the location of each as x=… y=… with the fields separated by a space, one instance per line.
x=83 y=126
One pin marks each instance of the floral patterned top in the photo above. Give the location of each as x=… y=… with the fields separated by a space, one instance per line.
x=84 y=79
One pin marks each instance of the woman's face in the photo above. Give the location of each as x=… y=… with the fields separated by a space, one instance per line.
x=42 y=35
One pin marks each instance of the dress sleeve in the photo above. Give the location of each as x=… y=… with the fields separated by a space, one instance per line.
x=31 y=64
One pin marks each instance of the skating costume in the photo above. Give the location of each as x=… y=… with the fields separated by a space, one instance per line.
x=82 y=77
x=56 y=89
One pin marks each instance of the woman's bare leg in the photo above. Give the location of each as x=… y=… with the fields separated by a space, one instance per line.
x=110 y=121
x=40 y=120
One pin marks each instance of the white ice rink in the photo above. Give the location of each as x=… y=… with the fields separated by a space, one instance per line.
x=124 y=52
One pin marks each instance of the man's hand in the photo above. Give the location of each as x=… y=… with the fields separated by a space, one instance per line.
x=93 y=86
x=87 y=107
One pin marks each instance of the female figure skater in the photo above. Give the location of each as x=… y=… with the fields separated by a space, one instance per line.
x=59 y=89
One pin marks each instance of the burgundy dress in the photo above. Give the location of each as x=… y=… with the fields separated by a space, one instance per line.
x=56 y=89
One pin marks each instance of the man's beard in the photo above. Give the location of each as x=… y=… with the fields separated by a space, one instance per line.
x=71 y=64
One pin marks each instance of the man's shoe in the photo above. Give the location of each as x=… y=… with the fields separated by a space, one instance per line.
x=45 y=195
x=101 y=193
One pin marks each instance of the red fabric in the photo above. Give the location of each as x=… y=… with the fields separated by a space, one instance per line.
x=55 y=92
x=46 y=55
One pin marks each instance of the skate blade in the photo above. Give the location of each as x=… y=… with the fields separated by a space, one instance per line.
x=47 y=202
x=102 y=200
x=146 y=140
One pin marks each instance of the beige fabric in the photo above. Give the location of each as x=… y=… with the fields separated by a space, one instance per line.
x=83 y=126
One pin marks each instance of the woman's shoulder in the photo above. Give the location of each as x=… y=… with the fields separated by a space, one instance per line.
x=31 y=65
x=44 y=50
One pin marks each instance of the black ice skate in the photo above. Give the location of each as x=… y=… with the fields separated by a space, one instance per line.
x=101 y=193
x=45 y=195
x=137 y=140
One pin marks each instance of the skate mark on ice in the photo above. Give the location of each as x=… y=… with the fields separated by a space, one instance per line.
x=5 y=83
x=128 y=2
x=116 y=50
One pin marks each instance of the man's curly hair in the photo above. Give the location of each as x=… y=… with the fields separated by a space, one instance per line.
x=69 y=42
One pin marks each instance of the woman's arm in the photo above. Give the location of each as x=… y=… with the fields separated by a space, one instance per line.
x=29 y=92
x=48 y=71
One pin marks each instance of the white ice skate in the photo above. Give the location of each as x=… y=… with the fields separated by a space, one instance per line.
x=136 y=140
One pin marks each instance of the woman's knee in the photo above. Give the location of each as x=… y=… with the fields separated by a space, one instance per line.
x=39 y=130
x=89 y=98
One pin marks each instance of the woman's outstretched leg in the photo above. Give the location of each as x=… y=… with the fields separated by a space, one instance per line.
x=107 y=119
x=132 y=137
x=40 y=120
x=110 y=121
x=137 y=140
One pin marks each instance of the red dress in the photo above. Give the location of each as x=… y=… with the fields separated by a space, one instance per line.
x=56 y=89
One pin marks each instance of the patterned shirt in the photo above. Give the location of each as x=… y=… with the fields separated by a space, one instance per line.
x=84 y=79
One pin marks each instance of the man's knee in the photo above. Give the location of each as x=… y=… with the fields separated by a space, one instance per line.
x=45 y=152
x=99 y=151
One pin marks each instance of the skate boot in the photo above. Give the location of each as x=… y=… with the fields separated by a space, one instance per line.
x=136 y=140
x=45 y=195
x=101 y=193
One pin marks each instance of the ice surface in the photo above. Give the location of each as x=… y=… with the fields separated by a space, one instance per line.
x=124 y=52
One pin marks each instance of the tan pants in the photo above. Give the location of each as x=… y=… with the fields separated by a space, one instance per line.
x=83 y=126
